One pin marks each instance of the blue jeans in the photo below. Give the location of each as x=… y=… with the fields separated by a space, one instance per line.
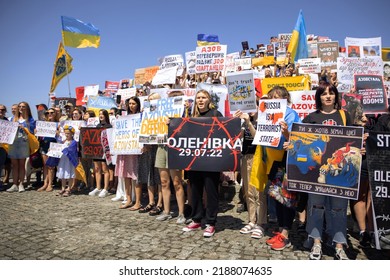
x=335 y=211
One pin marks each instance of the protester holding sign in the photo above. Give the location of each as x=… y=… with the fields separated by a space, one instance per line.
x=204 y=180
x=126 y=165
x=66 y=170
x=48 y=164
x=285 y=210
x=3 y=151
x=100 y=165
x=19 y=151
x=334 y=208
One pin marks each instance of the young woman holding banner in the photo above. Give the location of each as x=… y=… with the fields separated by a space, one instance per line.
x=204 y=180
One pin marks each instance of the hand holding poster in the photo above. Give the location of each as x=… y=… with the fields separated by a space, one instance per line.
x=46 y=129
x=126 y=131
x=242 y=93
x=378 y=158
x=372 y=90
x=325 y=159
x=8 y=131
x=55 y=150
x=90 y=141
x=204 y=144
x=270 y=113
x=154 y=128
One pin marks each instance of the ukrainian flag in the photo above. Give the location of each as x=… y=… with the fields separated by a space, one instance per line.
x=297 y=48
x=205 y=39
x=62 y=66
x=78 y=34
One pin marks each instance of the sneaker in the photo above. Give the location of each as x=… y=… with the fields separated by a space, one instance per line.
x=117 y=198
x=257 y=232
x=272 y=240
x=181 y=219
x=281 y=243
x=103 y=193
x=209 y=231
x=316 y=252
x=341 y=255
x=365 y=239
x=21 y=188
x=94 y=192
x=192 y=226
x=164 y=216
x=13 y=188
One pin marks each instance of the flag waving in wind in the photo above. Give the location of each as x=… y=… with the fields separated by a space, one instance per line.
x=78 y=34
x=60 y=70
x=297 y=48
x=205 y=39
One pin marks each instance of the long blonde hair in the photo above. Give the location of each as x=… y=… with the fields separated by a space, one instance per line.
x=211 y=105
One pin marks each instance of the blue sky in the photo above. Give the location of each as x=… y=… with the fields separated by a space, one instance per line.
x=134 y=34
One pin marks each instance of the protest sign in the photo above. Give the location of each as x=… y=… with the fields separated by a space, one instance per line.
x=173 y=61
x=125 y=135
x=154 y=129
x=204 y=144
x=328 y=52
x=165 y=76
x=290 y=83
x=210 y=58
x=55 y=150
x=347 y=67
x=76 y=125
x=270 y=113
x=378 y=158
x=325 y=160
x=242 y=93
x=309 y=65
x=303 y=102
x=46 y=129
x=96 y=103
x=190 y=62
x=93 y=122
x=363 y=47
x=372 y=91
x=8 y=131
x=60 y=102
x=90 y=141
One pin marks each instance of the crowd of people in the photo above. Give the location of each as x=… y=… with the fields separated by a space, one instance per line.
x=323 y=217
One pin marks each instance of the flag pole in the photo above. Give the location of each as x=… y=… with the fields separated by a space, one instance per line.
x=66 y=64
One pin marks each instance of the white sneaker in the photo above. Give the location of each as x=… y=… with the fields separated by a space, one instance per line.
x=103 y=193
x=117 y=198
x=124 y=201
x=14 y=188
x=21 y=188
x=94 y=192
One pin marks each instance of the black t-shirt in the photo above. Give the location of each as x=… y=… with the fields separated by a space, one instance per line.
x=211 y=113
x=327 y=119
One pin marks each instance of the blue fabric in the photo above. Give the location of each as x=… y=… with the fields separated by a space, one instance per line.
x=71 y=153
x=77 y=26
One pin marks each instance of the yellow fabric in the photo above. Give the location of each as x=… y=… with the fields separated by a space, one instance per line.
x=261 y=169
x=60 y=70
x=342 y=113
x=80 y=173
x=293 y=45
x=260 y=61
x=33 y=142
x=4 y=146
x=80 y=40
x=290 y=83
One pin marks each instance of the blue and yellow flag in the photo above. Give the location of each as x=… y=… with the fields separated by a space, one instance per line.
x=63 y=61
x=297 y=48
x=205 y=39
x=78 y=34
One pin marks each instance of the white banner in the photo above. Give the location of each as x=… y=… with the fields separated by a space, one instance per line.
x=165 y=76
x=55 y=150
x=242 y=93
x=46 y=129
x=125 y=135
x=303 y=102
x=210 y=58
x=8 y=131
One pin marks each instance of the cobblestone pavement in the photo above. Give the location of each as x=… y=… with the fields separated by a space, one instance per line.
x=43 y=226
